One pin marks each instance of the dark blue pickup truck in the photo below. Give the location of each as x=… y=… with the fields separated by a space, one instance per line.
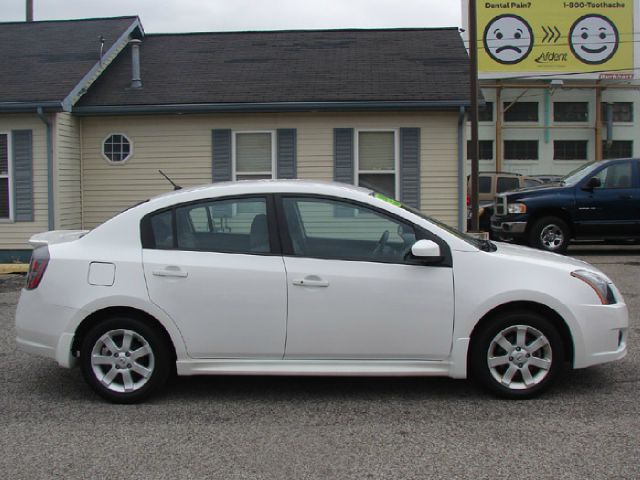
x=598 y=201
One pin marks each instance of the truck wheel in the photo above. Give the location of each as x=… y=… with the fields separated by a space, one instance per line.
x=550 y=234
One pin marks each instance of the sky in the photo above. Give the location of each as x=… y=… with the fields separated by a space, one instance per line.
x=160 y=16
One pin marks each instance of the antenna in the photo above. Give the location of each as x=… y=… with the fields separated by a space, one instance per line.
x=175 y=186
x=101 y=48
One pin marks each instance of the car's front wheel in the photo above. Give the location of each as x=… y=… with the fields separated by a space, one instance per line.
x=124 y=359
x=517 y=355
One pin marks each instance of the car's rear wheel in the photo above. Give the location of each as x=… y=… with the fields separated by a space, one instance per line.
x=517 y=355
x=124 y=360
x=551 y=234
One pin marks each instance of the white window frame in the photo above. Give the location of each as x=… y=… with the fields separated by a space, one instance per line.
x=9 y=177
x=396 y=152
x=124 y=160
x=234 y=172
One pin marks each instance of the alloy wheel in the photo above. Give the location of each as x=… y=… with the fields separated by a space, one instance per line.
x=519 y=357
x=122 y=360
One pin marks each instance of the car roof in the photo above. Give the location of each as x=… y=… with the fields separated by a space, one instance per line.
x=245 y=187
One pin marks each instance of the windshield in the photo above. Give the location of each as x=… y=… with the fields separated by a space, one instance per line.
x=485 y=245
x=578 y=174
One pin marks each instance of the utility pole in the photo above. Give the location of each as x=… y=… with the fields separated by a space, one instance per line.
x=29 y=10
x=473 y=72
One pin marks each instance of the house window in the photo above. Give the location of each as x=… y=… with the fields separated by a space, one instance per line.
x=377 y=160
x=570 y=111
x=485 y=149
x=570 y=149
x=254 y=155
x=117 y=148
x=617 y=149
x=521 y=112
x=5 y=194
x=485 y=114
x=521 y=150
x=622 y=112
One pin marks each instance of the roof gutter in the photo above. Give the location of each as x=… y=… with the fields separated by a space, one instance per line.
x=269 y=107
x=30 y=107
x=50 y=199
x=462 y=201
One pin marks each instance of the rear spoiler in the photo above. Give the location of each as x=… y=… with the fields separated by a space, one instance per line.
x=56 y=236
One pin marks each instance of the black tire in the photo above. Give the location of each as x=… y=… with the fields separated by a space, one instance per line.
x=551 y=234
x=527 y=367
x=124 y=373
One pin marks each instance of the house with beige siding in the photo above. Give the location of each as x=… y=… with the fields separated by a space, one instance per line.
x=379 y=108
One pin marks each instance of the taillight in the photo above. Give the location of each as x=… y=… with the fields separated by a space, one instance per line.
x=37 y=266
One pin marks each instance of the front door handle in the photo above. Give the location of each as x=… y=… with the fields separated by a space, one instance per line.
x=310 y=281
x=171 y=271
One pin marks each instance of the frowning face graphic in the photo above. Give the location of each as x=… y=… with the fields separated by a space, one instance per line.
x=508 y=39
x=593 y=39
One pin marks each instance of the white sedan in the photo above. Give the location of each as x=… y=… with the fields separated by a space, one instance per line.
x=302 y=278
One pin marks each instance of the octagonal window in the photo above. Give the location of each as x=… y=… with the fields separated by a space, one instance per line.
x=117 y=148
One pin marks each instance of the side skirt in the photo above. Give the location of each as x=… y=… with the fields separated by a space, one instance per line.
x=377 y=368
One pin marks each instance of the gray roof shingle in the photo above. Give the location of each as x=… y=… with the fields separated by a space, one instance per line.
x=44 y=61
x=400 y=65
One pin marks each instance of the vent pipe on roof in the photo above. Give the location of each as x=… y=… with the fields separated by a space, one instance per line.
x=29 y=10
x=136 y=81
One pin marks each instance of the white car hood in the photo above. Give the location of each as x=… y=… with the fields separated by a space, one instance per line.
x=539 y=257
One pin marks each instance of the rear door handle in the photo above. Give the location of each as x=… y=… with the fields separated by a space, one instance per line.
x=171 y=271
x=311 y=281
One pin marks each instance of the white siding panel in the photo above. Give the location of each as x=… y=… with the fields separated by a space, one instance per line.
x=68 y=197
x=181 y=147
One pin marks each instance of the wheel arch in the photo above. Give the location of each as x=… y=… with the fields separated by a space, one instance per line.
x=99 y=315
x=529 y=306
x=551 y=212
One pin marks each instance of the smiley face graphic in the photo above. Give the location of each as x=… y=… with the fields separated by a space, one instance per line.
x=508 y=39
x=593 y=39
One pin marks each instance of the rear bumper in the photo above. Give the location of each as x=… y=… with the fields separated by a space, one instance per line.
x=40 y=329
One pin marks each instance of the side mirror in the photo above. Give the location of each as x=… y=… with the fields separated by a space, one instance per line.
x=426 y=250
x=594 y=182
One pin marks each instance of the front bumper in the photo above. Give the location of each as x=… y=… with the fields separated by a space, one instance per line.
x=604 y=330
x=511 y=228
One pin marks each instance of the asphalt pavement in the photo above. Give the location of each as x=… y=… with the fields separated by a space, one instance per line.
x=587 y=427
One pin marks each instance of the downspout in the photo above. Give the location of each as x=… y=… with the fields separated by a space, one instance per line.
x=462 y=201
x=50 y=213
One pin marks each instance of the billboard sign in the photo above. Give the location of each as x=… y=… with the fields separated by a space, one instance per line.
x=592 y=38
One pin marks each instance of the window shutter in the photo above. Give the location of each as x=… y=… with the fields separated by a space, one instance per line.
x=22 y=141
x=286 y=151
x=343 y=155
x=221 y=155
x=410 y=166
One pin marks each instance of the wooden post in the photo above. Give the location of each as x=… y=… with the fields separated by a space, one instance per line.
x=598 y=149
x=499 y=129
x=473 y=72
x=29 y=10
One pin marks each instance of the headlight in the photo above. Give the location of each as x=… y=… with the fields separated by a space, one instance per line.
x=599 y=284
x=516 y=208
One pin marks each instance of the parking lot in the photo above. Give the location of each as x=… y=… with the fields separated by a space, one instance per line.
x=53 y=426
